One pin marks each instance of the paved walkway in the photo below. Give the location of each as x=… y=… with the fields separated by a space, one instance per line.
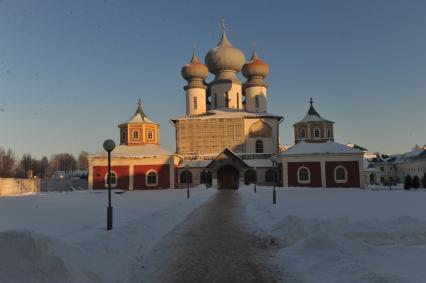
x=211 y=245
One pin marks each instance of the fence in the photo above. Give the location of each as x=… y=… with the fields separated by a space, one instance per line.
x=58 y=185
x=12 y=186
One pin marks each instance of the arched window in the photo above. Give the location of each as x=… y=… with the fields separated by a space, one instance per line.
x=114 y=179
x=135 y=134
x=256 y=101
x=340 y=174
x=195 y=103
x=151 y=178
x=238 y=100
x=123 y=135
x=303 y=175
x=328 y=133
x=186 y=177
x=317 y=133
x=150 y=135
x=259 y=146
x=226 y=99
x=302 y=134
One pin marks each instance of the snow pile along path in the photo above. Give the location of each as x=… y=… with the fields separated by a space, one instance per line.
x=87 y=252
x=354 y=246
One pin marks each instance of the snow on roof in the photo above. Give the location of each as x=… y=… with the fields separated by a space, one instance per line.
x=228 y=113
x=312 y=116
x=149 y=150
x=195 y=163
x=414 y=155
x=329 y=147
x=137 y=118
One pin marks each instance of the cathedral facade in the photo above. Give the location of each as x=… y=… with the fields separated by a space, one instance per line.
x=227 y=135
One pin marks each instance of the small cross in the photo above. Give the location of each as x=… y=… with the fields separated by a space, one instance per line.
x=139 y=102
x=223 y=24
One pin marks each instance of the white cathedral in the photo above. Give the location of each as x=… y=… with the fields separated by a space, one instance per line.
x=227 y=135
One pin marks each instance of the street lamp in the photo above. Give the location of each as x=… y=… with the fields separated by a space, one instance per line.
x=187 y=180
x=109 y=146
x=255 y=179
x=274 y=193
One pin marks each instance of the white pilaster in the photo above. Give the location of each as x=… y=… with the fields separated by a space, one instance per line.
x=323 y=176
x=131 y=177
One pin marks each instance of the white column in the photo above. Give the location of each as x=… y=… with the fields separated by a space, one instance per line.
x=323 y=176
x=131 y=177
x=285 y=173
x=172 y=173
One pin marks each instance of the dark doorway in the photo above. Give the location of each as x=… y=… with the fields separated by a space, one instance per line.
x=227 y=178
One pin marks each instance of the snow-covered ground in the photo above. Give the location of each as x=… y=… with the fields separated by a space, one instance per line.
x=343 y=235
x=61 y=237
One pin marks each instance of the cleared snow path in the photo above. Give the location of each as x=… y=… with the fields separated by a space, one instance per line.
x=211 y=245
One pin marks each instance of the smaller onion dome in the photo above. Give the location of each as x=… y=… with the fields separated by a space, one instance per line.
x=194 y=69
x=255 y=67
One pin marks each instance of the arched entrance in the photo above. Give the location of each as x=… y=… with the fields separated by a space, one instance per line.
x=227 y=178
x=373 y=179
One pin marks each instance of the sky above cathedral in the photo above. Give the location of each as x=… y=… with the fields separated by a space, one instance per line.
x=71 y=71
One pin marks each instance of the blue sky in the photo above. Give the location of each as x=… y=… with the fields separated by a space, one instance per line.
x=71 y=71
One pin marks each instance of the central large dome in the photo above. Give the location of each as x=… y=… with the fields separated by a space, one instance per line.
x=225 y=60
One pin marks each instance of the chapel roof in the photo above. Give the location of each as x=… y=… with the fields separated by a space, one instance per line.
x=313 y=116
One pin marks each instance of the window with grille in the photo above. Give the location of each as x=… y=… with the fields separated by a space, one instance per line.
x=151 y=178
x=259 y=146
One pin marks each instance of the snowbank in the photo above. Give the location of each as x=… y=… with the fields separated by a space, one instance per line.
x=340 y=235
x=69 y=242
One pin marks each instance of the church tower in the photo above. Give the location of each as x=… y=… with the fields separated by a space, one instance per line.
x=195 y=73
x=139 y=130
x=313 y=127
x=255 y=87
x=225 y=61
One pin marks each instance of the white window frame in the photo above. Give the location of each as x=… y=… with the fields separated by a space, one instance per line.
x=319 y=131
x=346 y=175
x=255 y=146
x=146 y=178
x=298 y=175
x=135 y=131
x=113 y=185
x=152 y=135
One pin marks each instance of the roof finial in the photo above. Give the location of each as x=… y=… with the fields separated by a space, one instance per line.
x=223 y=24
x=311 y=101
x=139 y=103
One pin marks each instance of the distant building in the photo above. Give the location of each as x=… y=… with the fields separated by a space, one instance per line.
x=139 y=162
x=316 y=160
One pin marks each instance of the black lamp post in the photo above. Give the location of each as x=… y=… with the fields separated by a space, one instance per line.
x=109 y=146
x=274 y=193
x=187 y=180
x=255 y=179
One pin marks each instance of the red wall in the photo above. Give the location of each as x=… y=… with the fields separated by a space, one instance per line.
x=99 y=173
x=163 y=172
x=353 y=174
x=314 y=167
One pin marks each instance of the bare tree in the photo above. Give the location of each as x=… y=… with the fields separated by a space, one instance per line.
x=26 y=165
x=83 y=162
x=62 y=162
x=7 y=163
